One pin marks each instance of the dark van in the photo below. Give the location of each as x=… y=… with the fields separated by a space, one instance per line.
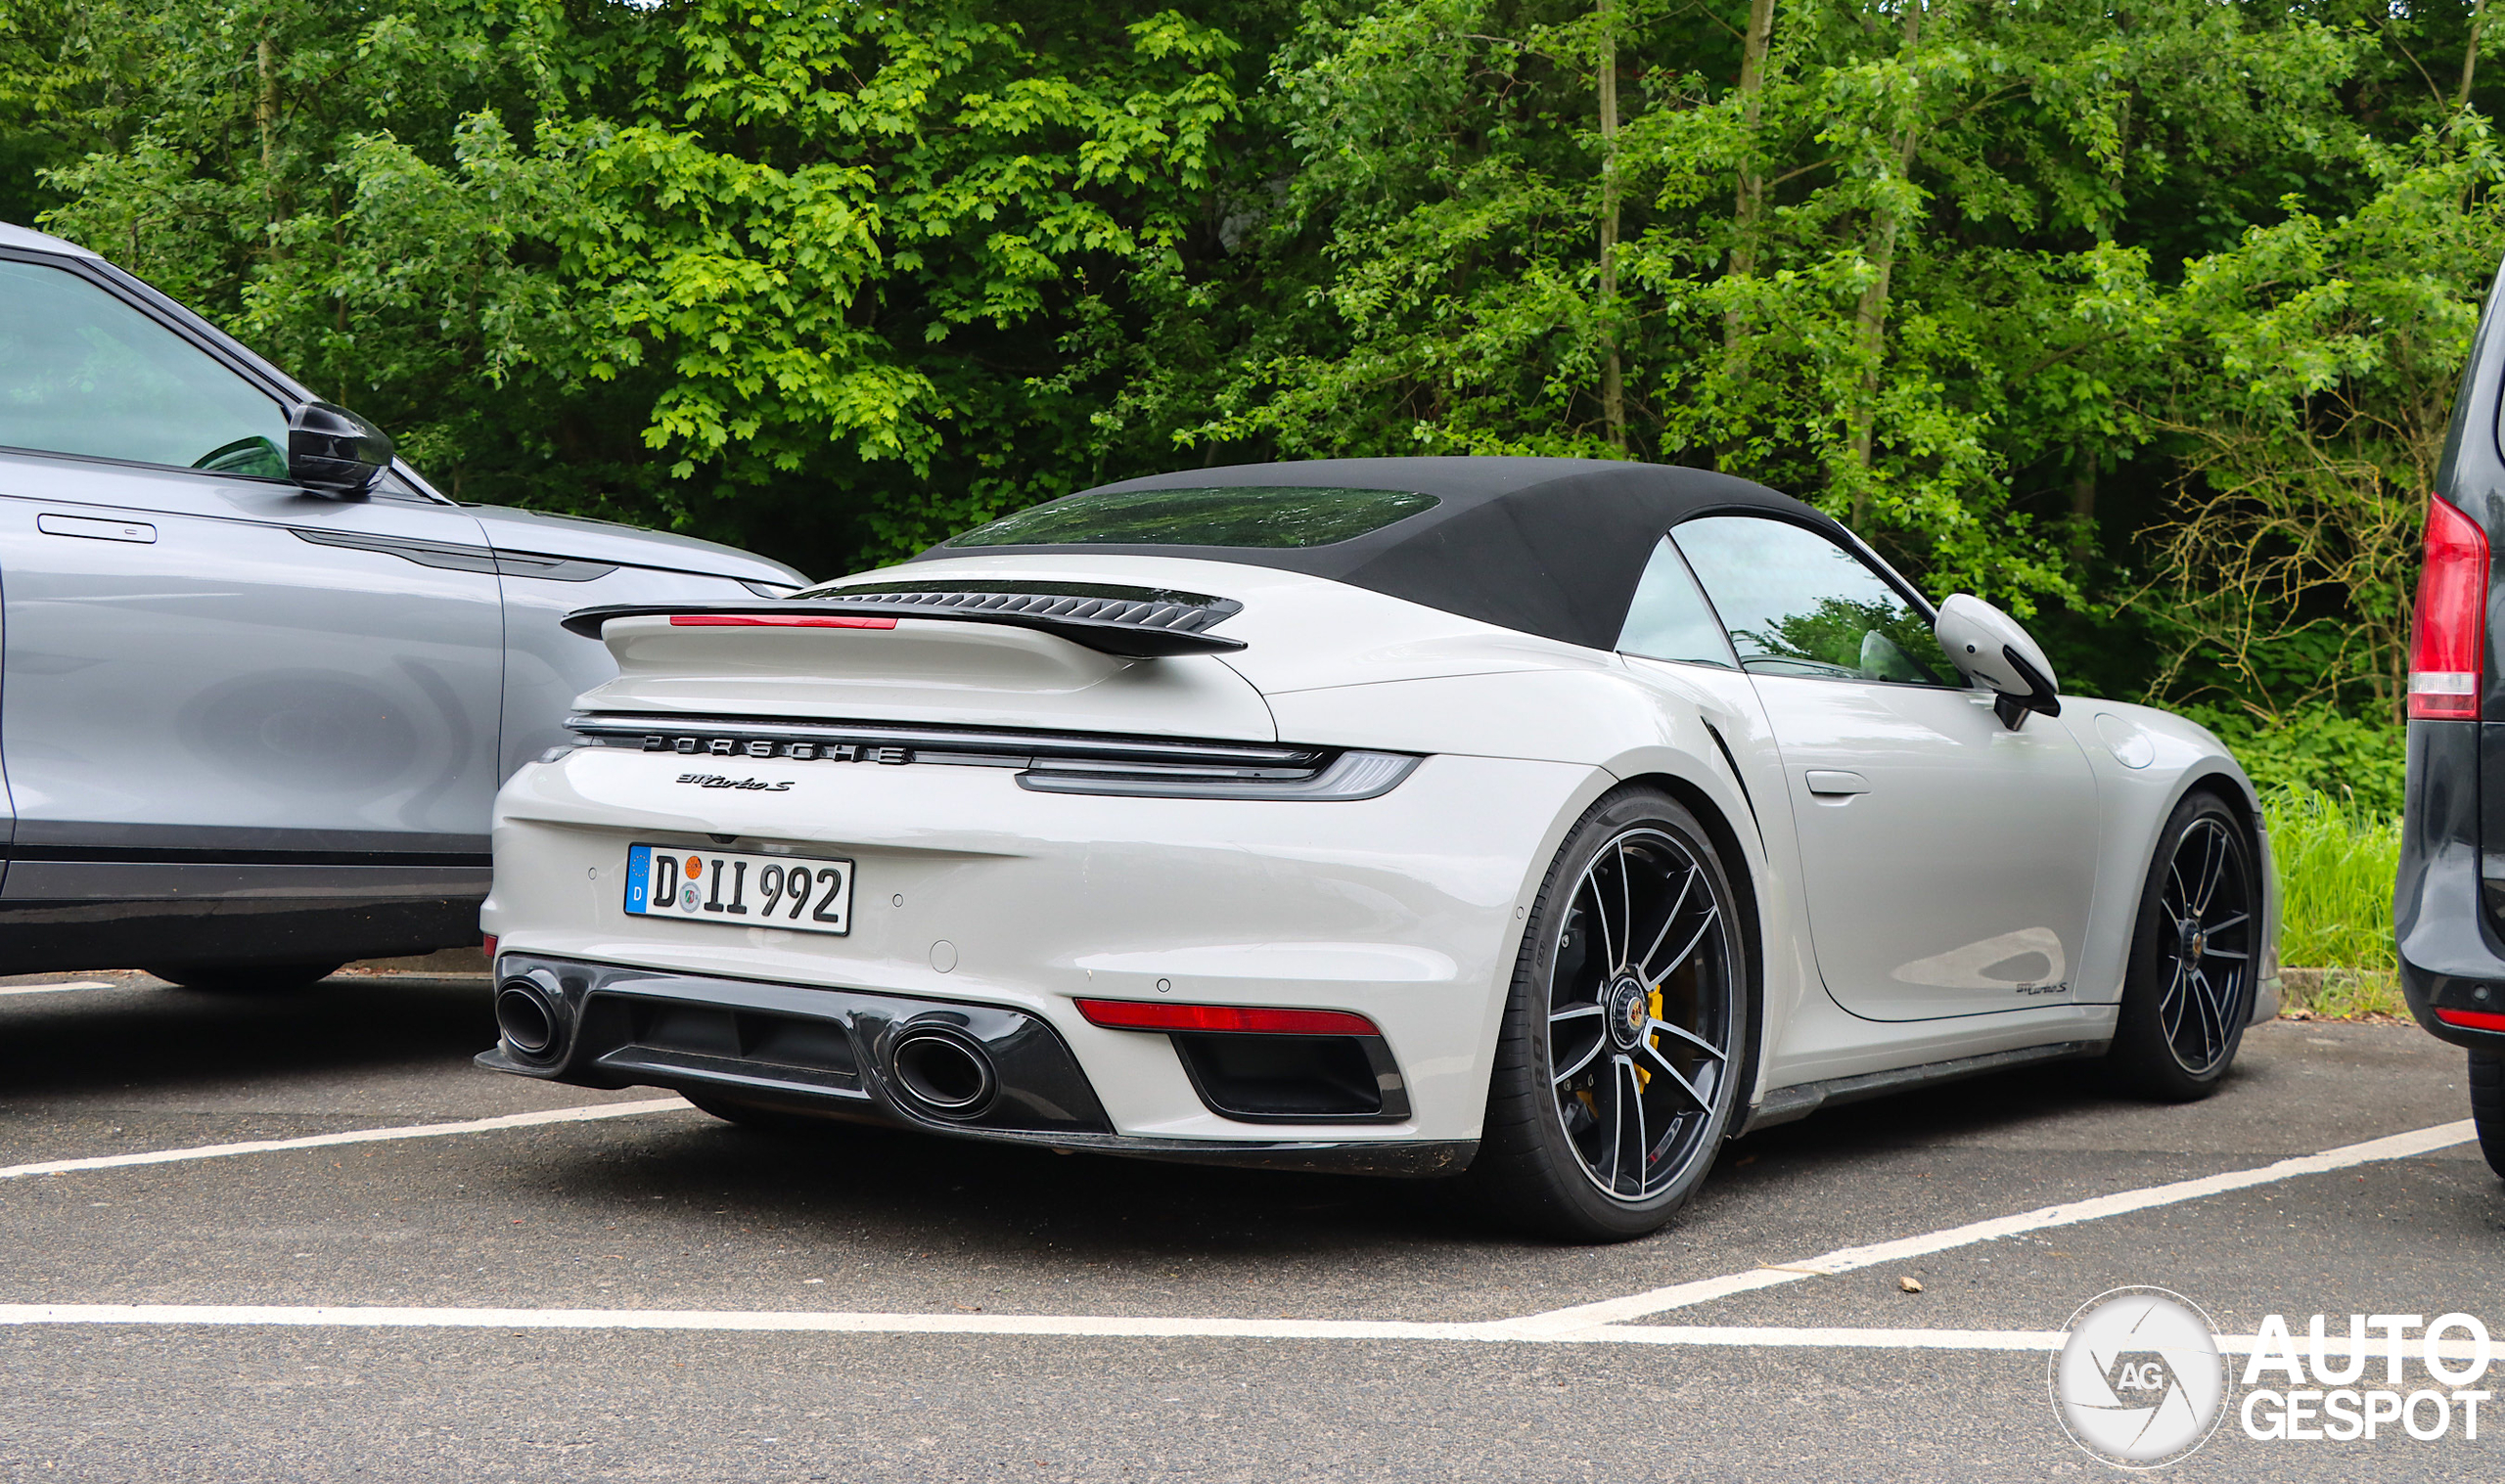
x=2449 y=907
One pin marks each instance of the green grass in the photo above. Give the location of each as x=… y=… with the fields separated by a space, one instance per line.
x=2336 y=859
x=2341 y=993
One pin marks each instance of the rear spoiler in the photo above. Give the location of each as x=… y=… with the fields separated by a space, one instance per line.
x=1132 y=628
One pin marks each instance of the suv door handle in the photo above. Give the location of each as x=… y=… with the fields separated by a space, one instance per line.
x=1835 y=781
x=95 y=529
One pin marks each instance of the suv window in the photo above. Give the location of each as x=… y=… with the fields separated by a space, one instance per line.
x=1797 y=603
x=1669 y=619
x=83 y=373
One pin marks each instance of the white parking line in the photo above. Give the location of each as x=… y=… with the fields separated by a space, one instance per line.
x=1848 y=1259
x=54 y=989
x=583 y=1114
x=1602 y=1321
x=1086 y=1326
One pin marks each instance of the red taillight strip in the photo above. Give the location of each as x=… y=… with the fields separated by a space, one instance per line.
x=2472 y=1019
x=2448 y=634
x=1253 y=1019
x=774 y=621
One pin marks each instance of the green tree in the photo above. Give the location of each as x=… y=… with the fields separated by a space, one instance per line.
x=802 y=274
x=2312 y=385
x=1871 y=255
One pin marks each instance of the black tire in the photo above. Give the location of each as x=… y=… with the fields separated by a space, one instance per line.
x=1670 y=1028
x=2488 y=1106
x=757 y=1116
x=2187 y=989
x=245 y=979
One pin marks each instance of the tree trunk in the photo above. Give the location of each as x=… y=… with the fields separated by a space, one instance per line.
x=266 y=110
x=265 y=113
x=1613 y=373
x=1869 y=315
x=2470 y=52
x=1750 y=204
x=2083 y=512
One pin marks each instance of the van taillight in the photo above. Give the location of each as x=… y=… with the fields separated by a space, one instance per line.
x=2451 y=628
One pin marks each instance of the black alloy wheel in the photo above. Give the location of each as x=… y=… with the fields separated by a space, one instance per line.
x=2188 y=986
x=1627 y=1030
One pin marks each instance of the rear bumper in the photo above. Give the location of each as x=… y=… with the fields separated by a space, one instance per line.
x=970 y=891
x=833 y=1052
x=2451 y=958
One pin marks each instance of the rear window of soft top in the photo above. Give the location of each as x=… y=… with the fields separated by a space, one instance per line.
x=1265 y=515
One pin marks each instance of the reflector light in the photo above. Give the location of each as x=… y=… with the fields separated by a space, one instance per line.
x=2449 y=633
x=2472 y=1019
x=1241 y=1020
x=489 y=943
x=775 y=621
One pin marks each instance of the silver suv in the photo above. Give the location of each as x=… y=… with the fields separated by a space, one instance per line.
x=258 y=681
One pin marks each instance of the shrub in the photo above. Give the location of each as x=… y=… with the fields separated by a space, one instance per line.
x=2318 y=750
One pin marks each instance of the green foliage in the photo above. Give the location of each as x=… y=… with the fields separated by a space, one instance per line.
x=2336 y=859
x=1888 y=278
x=2343 y=994
x=2313 y=371
x=798 y=273
x=1880 y=641
x=2139 y=321
x=2315 y=748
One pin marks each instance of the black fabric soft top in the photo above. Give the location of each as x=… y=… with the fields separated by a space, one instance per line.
x=1552 y=547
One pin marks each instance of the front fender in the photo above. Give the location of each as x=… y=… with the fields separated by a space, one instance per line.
x=2145 y=761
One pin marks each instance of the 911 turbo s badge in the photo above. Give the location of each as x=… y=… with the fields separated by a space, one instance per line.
x=717 y=781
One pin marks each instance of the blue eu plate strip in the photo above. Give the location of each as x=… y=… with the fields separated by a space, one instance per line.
x=639 y=870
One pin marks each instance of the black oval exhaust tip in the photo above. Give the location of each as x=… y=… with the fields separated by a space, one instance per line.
x=525 y=1018
x=943 y=1074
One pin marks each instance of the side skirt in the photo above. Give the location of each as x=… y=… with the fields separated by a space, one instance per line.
x=1785 y=1104
x=43 y=936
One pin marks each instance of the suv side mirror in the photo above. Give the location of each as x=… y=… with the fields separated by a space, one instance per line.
x=331 y=451
x=1994 y=653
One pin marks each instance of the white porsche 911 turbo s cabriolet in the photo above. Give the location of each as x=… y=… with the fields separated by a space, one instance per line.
x=1549 y=820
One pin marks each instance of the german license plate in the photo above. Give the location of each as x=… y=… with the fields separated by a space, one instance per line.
x=804 y=893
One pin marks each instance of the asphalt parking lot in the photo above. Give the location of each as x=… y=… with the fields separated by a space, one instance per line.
x=637 y=1291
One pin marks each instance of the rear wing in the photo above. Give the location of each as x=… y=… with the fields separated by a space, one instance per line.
x=1150 y=625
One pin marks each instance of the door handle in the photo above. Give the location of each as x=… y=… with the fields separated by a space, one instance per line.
x=1835 y=781
x=96 y=531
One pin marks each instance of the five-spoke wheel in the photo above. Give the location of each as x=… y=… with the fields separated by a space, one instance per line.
x=1626 y=1028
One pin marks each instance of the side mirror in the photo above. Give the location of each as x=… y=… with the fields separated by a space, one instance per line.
x=1997 y=653
x=331 y=451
